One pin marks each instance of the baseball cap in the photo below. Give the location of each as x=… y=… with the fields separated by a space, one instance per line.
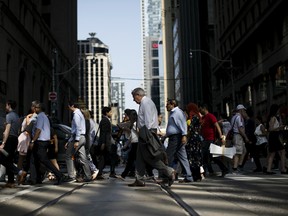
x=240 y=106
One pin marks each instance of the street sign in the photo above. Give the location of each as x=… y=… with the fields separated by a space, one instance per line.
x=52 y=96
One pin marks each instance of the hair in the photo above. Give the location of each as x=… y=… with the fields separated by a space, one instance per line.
x=203 y=105
x=173 y=102
x=12 y=104
x=72 y=103
x=138 y=91
x=41 y=105
x=106 y=110
x=192 y=109
x=127 y=111
x=33 y=103
x=86 y=113
x=132 y=117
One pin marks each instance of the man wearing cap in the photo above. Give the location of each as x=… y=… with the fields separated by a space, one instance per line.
x=239 y=137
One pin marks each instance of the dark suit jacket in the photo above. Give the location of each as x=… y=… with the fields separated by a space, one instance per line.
x=105 y=129
x=151 y=142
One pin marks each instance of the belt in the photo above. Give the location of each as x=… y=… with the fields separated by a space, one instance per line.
x=82 y=134
x=154 y=130
x=174 y=135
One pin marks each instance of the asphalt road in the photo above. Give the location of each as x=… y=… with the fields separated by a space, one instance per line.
x=243 y=194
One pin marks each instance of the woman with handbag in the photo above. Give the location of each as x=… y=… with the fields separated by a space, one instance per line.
x=274 y=126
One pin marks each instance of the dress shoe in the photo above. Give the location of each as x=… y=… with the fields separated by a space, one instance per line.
x=21 y=178
x=9 y=185
x=112 y=175
x=61 y=180
x=172 y=178
x=137 y=183
x=100 y=177
x=224 y=173
x=185 y=181
x=270 y=173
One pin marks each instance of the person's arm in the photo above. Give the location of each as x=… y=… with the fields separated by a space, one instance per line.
x=55 y=140
x=5 y=135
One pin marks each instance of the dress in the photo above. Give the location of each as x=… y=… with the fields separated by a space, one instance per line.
x=194 y=146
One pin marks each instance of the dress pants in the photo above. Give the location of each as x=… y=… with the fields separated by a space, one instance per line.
x=176 y=148
x=40 y=155
x=10 y=147
x=207 y=158
x=69 y=161
x=83 y=160
x=144 y=158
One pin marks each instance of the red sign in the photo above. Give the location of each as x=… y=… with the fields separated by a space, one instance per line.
x=52 y=96
x=155 y=45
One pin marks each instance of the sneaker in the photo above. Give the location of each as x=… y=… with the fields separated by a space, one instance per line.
x=94 y=175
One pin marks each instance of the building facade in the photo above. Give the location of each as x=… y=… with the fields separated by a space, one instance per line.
x=36 y=48
x=253 y=36
x=94 y=75
x=118 y=97
x=186 y=35
x=151 y=38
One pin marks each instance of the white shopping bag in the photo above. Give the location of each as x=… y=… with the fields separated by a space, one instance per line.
x=218 y=151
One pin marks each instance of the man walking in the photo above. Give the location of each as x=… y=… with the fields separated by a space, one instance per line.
x=40 y=143
x=149 y=151
x=9 y=144
x=107 y=143
x=176 y=131
x=208 y=131
x=76 y=144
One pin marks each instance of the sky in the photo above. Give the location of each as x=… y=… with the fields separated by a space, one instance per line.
x=117 y=23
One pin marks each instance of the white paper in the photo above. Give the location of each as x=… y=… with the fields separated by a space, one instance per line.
x=218 y=151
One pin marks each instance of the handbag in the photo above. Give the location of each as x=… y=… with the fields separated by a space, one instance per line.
x=230 y=133
x=95 y=148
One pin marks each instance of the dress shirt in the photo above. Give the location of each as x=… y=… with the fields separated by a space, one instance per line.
x=176 y=122
x=147 y=114
x=43 y=124
x=78 y=126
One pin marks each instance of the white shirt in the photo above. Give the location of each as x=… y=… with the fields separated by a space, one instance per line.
x=147 y=114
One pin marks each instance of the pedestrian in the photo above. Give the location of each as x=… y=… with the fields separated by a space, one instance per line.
x=274 y=126
x=176 y=131
x=194 y=142
x=107 y=144
x=239 y=137
x=76 y=145
x=9 y=145
x=27 y=127
x=130 y=132
x=89 y=136
x=250 y=127
x=41 y=140
x=261 y=143
x=208 y=131
x=150 y=151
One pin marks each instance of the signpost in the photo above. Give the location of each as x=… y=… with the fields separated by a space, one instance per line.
x=53 y=96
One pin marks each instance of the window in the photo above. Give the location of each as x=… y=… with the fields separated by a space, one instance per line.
x=155 y=53
x=155 y=71
x=155 y=63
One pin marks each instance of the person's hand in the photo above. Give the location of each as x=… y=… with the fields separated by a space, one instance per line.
x=184 y=140
x=102 y=147
x=76 y=144
x=66 y=145
x=2 y=145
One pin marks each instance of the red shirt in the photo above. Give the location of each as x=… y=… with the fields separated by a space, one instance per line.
x=208 y=127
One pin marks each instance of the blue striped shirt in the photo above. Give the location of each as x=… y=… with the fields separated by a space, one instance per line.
x=176 y=123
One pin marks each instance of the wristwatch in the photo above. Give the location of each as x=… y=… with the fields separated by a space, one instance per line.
x=32 y=141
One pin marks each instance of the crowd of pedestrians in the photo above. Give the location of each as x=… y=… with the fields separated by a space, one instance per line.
x=182 y=150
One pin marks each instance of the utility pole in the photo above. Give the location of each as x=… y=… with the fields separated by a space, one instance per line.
x=53 y=94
